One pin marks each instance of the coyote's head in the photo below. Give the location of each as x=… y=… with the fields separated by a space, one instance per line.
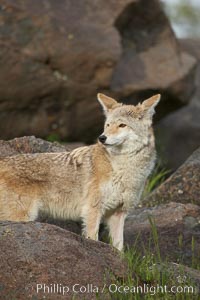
x=127 y=126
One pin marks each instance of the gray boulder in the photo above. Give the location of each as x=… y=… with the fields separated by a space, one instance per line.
x=56 y=55
x=182 y=186
x=179 y=133
x=39 y=257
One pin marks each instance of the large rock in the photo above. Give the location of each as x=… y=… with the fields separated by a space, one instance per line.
x=181 y=275
x=150 y=61
x=178 y=231
x=43 y=254
x=182 y=186
x=179 y=132
x=179 y=136
x=55 y=55
x=31 y=144
x=28 y=144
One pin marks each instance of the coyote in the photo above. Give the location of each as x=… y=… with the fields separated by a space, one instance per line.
x=97 y=183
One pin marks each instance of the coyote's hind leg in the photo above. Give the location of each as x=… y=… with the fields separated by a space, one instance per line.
x=19 y=208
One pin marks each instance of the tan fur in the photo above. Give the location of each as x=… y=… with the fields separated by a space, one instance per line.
x=93 y=183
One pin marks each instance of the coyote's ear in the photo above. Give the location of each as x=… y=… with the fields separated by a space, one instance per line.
x=150 y=104
x=106 y=102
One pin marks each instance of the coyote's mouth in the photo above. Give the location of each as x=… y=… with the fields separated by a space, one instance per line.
x=113 y=144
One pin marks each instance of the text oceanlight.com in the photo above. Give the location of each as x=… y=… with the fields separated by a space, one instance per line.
x=58 y=288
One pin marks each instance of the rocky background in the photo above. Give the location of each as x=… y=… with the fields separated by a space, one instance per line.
x=54 y=58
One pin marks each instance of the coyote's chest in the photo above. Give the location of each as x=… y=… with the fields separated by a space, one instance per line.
x=117 y=191
x=126 y=184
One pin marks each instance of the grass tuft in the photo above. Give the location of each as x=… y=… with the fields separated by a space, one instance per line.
x=152 y=277
x=157 y=177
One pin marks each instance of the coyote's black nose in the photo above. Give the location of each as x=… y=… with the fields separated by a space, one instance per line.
x=102 y=138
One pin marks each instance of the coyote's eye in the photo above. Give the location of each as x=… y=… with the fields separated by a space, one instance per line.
x=107 y=125
x=122 y=125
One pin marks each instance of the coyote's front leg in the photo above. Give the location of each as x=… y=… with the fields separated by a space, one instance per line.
x=91 y=223
x=115 y=223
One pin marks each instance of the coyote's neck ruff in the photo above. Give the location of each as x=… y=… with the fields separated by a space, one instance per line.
x=93 y=183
